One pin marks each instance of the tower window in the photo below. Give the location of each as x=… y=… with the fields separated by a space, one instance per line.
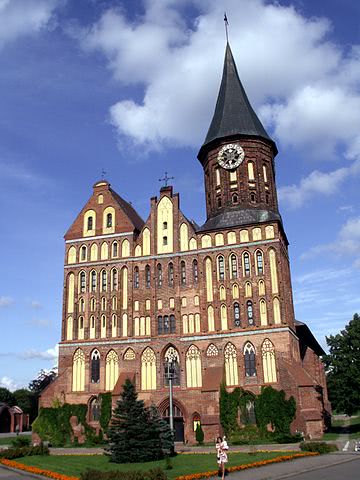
x=93 y=281
x=165 y=241
x=136 y=277
x=159 y=275
x=147 y=276
x=219 y=202
x=265 y=174
x=90 y=222
x=236 y=314
x=183 y=273
x=252 y=197
x=109 y=222
x=246 y=258
x=221 y=267
x=115 y=249
x=250 y=312
x=259 y=263
x=233 y=263
x=195 y=271
x=267 y=197
x=82 y=282
x=171 y=275
x=103 y=281
x=165 y=225
x=235 y=199
x=83 y=253
x=95 y=367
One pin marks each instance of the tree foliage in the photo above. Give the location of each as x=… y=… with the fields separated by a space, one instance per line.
x=271 y=407
x=199 y=434
x=43 y=379
x=136 y=433
x=7 y=397
x=343 y=368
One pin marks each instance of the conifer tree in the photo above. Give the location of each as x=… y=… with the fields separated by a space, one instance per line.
x=129 y=439
x=199 y=434
x=162 y=433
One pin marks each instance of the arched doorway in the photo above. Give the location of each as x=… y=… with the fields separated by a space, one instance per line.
x=178 y=421
x=5 y=419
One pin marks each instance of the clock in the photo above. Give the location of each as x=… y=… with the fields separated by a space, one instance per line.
x=231 y=156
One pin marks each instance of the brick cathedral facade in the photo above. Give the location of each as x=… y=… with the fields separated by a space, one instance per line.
x=215 y=300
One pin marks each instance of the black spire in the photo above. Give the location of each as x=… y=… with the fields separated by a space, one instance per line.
x=233 y=113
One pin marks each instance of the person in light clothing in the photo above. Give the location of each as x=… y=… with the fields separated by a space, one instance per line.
x=221 y=454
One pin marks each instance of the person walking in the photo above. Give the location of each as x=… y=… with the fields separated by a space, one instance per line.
x=221 y=455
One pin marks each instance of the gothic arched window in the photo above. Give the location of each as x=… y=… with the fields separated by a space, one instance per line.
x=109 y=222
x=115 y=249
x=221 y=267
x=268 y=360
x=83 y=253
x=249 y=360
x=95 y=367
x=103 y=281
x=237 y=314
x=231 y=368
x=259 y=263
x=233 y=265
x=183 y=273
x=195 y=271
x=159 y=275
x=171 y=274
x=111 y=370
x=90 y=223
x=193 y=367
x=136 y=277
x=246 y=264
x=171 y=366
x=147 y=276
x=148 y=369
x=114 y=279
x=250 y=313
x=93 y=281
x=82 y=282
x=95 y=410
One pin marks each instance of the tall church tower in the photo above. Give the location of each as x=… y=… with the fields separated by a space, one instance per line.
x=238 y=159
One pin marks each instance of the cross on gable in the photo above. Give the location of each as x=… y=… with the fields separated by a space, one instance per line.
x=166 y=179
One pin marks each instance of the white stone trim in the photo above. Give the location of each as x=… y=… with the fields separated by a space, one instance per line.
x=99 y=237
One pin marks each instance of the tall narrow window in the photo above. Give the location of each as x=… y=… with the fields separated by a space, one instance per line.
x=171 y=274
x=136 y=277
x=235 y=199
x=231 y=368
x=82 y=282
x=115 y=249
x=147 y=276
x=148 y=369
x=160 y=325
x=250 y=312
x=237 y=322
x=166 y=325
x=265 y=174
x=159 y=275
x=83 y=253
x=78 y=382
x=193 y=367
x=172 y=324
x=268 y=360
x=171 y=364
x=195 y=271
x=111 y=370
x=114 y=278
x=183 y=273
x=233 y=264
x=95 y=366
x=259 y=263
x=165 y=225
x=252 y=197
x=93 y=281
x=249 y=360
x=221 y=267
x=103 y=281
x=109 y=222
x=90 y=222
x=251 y=174
x=246 y=260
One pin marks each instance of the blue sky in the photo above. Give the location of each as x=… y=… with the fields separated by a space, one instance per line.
x=130 y=87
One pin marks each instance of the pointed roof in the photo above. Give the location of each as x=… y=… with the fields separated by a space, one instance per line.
x=233 y=114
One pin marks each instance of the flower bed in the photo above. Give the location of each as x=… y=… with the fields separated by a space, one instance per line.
x=35 y=470
x=238 y=468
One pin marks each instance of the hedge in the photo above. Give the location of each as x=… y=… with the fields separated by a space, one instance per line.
x=12 y=453
x=319 y=447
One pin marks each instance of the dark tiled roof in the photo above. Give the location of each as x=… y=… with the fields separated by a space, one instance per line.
x=307 y=339
x=237 y=217
x=129 y=210
x=234 y=114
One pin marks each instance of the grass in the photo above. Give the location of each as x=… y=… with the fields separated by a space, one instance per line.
x=182 y=464
x=344 y=426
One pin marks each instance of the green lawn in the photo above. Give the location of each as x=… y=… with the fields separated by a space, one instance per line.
x=182 y=464
x=343 y=426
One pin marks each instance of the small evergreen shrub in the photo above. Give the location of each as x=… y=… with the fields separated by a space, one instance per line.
x=199 y=434
x=21 y=441
x=13 y=453
x=288 y=438
x=153 y=474
x=319 y=447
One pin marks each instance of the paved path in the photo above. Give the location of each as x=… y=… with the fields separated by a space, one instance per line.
x=309 y=468
x=10 y=474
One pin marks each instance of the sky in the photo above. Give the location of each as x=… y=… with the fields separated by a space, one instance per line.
x=129 y=87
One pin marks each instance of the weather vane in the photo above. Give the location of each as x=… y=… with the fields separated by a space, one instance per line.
x=226 y=27
x=166 y=179
x=103 y=173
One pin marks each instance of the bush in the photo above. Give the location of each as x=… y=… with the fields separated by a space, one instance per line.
x=199 y=434
x=288 y=438
x=153 y=474
x=12 y=453
x=21 y=441
x=319 y=447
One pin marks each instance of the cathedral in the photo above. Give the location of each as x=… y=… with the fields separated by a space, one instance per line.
x=214 y=301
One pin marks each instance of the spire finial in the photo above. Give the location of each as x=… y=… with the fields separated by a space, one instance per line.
x=103 y=173
x=166 y=179
x=226 y=27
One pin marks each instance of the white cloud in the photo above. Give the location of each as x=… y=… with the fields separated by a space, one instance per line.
x=19 y=18
x=35 y=304
x=347 y=243
x=40 y=322
x=6 y=301
x=7 y=382
x=49 y=354
x=306 y=80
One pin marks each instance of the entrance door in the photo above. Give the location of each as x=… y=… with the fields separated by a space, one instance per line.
x=178 y=422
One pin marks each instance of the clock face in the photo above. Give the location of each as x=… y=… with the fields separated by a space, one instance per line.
x=230 y=156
